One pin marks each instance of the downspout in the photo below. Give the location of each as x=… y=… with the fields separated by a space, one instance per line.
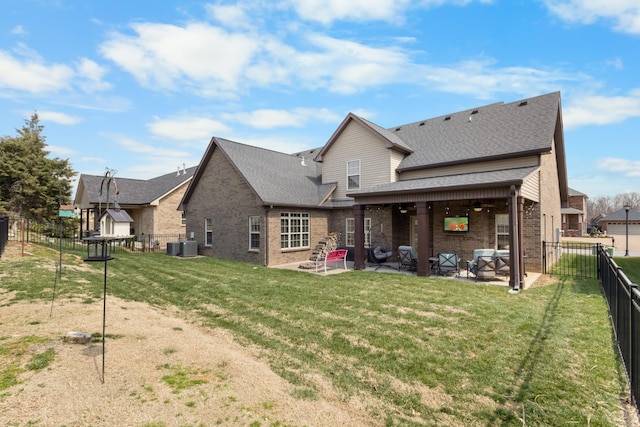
x=514 y=241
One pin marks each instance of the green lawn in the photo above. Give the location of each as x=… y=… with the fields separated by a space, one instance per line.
x=420 y=351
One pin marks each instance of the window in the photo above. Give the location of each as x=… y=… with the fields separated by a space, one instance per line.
x=350 y=229
x=208 y=231
x=183 y=219
x=353 y=175
x=294 y=230
x=254 y=233
x=502 y=231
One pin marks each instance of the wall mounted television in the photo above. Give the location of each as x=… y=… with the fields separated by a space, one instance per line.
x=456 y=223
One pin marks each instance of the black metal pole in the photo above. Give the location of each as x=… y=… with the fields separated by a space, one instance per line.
x=104 y=308
x=626 y=252
x=60 y=219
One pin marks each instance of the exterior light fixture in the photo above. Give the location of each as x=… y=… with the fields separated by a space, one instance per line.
x=477 y=207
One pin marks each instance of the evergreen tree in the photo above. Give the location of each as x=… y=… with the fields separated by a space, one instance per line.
x=31 y=183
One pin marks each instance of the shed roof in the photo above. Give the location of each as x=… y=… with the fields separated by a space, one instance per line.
x=118 y=215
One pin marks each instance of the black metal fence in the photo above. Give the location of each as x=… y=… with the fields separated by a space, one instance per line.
x=575 y=259
x=623 y=299
x=48 y=234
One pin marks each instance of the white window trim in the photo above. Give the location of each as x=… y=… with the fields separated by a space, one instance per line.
x=359 y=175
x=347 y=233
x=206 y=231
x=303 y=217
x=252 y=232
x=499 y=223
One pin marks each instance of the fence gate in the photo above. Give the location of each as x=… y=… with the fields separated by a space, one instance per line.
x=575 y=259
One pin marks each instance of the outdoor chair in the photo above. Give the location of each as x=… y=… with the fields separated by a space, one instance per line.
x=448 y=264
x=379 y=255
x=407 y=258
x=486 y=268
x=472 y=266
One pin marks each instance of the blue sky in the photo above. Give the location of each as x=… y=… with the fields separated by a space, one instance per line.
x=141 y=86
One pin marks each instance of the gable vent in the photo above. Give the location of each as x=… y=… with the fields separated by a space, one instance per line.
x=447 y=118
x=523 y=103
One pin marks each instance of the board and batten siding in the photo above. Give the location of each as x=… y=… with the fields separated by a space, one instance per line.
x=358 y=143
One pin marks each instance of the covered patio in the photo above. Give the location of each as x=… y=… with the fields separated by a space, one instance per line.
x=496 y=206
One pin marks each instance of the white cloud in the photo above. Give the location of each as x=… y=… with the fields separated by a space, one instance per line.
x=601 y=110
x=626 y=167
x=198 y=57
x=60 y=118
x=625 y=14
x=231 y=16
x=90 y=76
x=210 y=61
x=18 y=30
x=60 y=151
x=394 y=11
x=131 y=145
x=31 y=74
x=28 y=71
x=270 y=118
x=327 y=11
x=187 y=128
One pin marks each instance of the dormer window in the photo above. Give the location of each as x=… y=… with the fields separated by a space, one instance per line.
x=353 y=175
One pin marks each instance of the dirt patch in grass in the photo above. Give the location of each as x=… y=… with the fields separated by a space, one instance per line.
x=159 y=368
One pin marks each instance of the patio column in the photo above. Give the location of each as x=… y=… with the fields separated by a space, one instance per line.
x=514 y=240
x=423 y=239
x=358 y=255
x=521 y=241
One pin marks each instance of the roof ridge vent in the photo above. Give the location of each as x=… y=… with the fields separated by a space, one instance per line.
x=523 y=103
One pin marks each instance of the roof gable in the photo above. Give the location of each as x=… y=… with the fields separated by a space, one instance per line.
x=391 y=140
x=276 y=178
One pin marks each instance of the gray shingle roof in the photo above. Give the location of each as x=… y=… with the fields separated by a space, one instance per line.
x=132 y=191
x=621 y=215
x=495 y=131
x=278 y=178
x=490 y=132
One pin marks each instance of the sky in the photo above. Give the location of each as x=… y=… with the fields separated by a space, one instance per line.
x=140 y=87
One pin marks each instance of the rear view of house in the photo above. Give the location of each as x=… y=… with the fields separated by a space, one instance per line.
x=497 y=172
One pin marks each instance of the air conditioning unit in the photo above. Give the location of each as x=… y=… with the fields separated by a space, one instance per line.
x=173 y=248
x=189 y=248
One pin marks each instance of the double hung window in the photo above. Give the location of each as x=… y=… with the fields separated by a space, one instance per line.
x=353 y=175
x=208 y=231
x=350 y=231
x=254 y=233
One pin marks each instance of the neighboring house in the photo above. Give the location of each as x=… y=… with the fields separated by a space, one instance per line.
x=616 y=222
x=573 y=216
x=501 y=166
x=152 y=204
